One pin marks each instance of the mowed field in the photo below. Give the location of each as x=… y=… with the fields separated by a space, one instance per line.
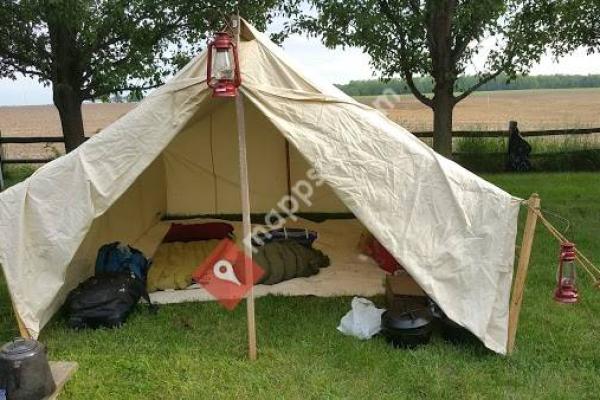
x=533 y=109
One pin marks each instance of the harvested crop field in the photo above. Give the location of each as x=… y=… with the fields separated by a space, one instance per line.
x=44 y=121
x=534 y=109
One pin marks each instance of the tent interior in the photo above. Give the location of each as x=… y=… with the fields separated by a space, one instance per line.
x=197 y=178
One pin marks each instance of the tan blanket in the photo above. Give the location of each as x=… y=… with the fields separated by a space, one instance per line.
x=174 y=263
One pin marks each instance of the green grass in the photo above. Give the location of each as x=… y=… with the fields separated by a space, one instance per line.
x=569 y=153
x=540 y=145
x=16 y=173
x=198 y=350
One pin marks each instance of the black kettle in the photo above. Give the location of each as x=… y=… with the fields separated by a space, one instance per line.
x=24 y=370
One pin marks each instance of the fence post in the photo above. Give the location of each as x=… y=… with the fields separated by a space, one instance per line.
x=1 y=165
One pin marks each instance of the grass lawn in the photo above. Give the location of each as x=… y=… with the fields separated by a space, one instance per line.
x=198 y=350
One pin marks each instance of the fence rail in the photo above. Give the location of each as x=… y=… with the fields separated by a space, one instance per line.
x=23 y=140
x=30 y=140
x=506 y=133
x=422 y=134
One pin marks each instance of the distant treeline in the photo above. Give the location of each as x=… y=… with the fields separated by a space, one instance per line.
x=375 y=87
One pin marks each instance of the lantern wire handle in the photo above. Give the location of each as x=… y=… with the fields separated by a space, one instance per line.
x=585 y=263
x=226 y=27
x=560 y=217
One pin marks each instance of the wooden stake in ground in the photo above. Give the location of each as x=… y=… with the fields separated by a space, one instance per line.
x=22 y=330
x=245 y=192
x=533 y=204
x=1 y=166
x=20 y=324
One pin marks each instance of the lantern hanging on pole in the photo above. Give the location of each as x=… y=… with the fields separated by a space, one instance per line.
x=566 y=290
x=223 y=69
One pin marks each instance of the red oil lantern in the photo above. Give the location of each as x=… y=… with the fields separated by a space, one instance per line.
x=223 y=71
x=566 y=291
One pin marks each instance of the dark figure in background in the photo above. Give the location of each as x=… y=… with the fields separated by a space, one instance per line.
x=518 y=150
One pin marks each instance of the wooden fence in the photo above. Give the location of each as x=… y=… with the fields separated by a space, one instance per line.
x=23 y=140
x=456 y=134
x=506 y=133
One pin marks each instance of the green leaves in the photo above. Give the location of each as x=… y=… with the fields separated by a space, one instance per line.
x=101 y=47
x=438 y=38
x=442 y=39
x=577 y=25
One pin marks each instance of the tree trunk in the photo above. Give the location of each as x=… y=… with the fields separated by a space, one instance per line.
x=68 y=103
x=443 y=106
x=439 y=41
x=67 y=72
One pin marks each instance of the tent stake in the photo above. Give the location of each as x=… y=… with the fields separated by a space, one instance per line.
x=533 y=204
x=244 y=188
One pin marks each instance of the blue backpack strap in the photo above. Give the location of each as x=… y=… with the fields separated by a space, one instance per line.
x=105 y=259
x=138 y=263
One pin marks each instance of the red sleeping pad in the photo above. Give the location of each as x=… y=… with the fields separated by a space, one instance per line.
x=371 y=247
x=202 y=231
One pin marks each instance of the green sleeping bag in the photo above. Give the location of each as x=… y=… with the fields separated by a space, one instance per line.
x=287 y=259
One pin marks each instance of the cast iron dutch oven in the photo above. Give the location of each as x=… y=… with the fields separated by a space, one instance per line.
x=24 y=370
x=454 y=333
x=409 y=328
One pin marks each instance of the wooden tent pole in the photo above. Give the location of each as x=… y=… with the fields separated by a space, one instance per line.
x=245 y=192
x=288 y=169
x=20 y=324
x=22 y=330
x=533 y=204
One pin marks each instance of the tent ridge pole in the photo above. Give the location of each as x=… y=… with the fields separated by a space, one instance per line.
x=533 y=205
x=245 y=193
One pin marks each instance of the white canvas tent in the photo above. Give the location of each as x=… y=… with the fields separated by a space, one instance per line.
x=176 y=154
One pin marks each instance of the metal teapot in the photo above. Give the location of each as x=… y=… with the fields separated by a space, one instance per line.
x=24 y=370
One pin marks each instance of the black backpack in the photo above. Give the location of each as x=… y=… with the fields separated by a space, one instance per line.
x=105 y=300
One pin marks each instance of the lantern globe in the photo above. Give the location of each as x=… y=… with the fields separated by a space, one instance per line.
x=566 y=276
x=223 y=70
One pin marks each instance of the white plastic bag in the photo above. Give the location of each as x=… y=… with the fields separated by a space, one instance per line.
x=363 y=320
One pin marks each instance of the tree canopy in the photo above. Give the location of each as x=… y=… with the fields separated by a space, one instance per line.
x=578 y=25
x=90 y=49
x=376 y=87
x=442 y=39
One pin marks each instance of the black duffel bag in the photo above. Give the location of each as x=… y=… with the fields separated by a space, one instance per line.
x=105 y=300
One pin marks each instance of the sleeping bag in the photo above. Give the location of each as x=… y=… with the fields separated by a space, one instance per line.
x=287 y=259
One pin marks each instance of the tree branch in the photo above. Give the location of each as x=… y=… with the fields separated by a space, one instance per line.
x=476 y=86
x=460 y=47
x=12 y=63
x=406 y=71
x=415 y=91
x=16 y=61
x=415 y=6
x=86 y=94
